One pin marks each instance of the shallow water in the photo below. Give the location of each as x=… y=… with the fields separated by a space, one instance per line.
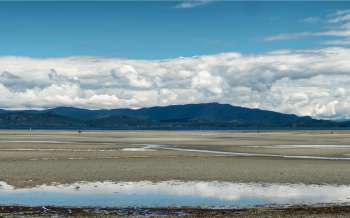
x=303 y=146
x=173 y=194
x=240 y=154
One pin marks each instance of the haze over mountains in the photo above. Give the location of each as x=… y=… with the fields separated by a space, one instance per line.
x=175 y=117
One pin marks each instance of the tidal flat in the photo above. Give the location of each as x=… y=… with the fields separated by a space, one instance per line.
x=34 y=158
x=286 y=161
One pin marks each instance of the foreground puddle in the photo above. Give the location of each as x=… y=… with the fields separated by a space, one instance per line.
x=173 y=194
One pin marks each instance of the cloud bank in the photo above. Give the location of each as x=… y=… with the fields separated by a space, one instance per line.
x=305 y=82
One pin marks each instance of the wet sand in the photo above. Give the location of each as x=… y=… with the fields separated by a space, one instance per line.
x=325 y=211
x=45 y=157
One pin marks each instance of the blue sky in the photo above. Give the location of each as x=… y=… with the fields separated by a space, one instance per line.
x=155 y=30
x=290 y=57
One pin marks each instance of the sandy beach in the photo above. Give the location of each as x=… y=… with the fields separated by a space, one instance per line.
x=45 y=157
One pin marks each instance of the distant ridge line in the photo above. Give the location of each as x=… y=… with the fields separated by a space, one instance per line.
x=202 y=116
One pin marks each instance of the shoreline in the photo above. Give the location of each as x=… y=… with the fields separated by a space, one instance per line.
x=327 y=210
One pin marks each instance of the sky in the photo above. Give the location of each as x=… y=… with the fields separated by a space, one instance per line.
x=290 y=57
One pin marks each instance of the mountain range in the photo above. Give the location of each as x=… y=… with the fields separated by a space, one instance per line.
x=204 y=116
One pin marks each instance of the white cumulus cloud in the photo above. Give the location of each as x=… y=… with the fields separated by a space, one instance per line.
x=304 y=82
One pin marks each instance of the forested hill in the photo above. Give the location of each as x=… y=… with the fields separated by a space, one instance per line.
x=175 y=117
